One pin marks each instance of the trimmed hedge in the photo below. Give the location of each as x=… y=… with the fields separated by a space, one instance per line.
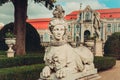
x=32 y=72
x=21 y=73
x=101 y=63
x=20 y=61
x=112 y=46
x=104 y=63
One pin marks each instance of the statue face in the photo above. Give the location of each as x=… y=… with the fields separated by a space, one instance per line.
x=58 y=32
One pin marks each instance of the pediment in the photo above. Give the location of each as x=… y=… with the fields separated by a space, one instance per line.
x=87 y=9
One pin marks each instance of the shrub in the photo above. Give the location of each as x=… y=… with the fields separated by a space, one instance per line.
x=20 y=61
x=21 y=73
x=104 y=63
x=3 y=53
x=32 y=38
x=112 y=46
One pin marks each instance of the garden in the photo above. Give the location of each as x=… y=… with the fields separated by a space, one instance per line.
x=28 y=67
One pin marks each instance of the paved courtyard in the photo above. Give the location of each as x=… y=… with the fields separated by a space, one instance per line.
x=111 y=74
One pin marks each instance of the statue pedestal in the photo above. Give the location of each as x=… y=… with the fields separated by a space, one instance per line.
x=85 y=75
x=10 y=54
x=98 y=48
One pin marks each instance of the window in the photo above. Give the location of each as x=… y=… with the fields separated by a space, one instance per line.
x=87 y=16
x=101 y=30
x=51 y=38
x=77 y=27
x=41 y=38
x=119 y=27
x=80 y=16
x=46 y=37
x=109 y=27
x=69 y=28
x=115 y=27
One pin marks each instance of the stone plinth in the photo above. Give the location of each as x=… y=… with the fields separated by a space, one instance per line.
x=10 y=53
x=87 y=75
x=98 y=48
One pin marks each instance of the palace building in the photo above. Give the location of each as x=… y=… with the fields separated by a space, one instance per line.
x=80 y=24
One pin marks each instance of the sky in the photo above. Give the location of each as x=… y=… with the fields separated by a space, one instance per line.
x=39 y=11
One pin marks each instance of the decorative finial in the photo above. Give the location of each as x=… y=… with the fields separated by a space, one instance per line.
x=80 y=5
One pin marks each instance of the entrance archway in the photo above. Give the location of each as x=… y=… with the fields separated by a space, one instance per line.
x=86 y=35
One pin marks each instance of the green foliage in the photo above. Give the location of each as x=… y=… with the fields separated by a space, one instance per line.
x=32 y=72
x=3 y=53
x=48 y=3
x=21 y=73
x=3 y=2
x=7 y=28
x=112 y=46
x=20 y=61
x=32 y=38
x=9 y=35
x=104 y=63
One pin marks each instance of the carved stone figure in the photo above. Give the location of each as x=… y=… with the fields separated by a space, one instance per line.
x=63 y=62
x=96 y=24
x=58 y=12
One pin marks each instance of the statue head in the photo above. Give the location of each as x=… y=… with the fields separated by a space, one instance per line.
x=57 y=25
x=58 y=31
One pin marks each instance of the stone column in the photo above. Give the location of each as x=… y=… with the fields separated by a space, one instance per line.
x=98 y=48
x=82 y=33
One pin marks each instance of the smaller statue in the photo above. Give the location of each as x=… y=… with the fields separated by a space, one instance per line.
x=96 y=25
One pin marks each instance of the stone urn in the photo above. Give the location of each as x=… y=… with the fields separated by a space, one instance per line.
x=10 y=42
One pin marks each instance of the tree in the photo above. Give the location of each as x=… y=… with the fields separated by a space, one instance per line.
x=20 y=16
x=112 y=46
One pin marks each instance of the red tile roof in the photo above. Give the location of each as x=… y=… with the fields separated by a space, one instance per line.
x=42 y=23
x=109 y=13
x=104 y=13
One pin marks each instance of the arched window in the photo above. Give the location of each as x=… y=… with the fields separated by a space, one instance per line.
x=86 y=35
x=109 y=28
x=87 y=16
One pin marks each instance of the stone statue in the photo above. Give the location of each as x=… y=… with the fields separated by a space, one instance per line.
x=58 y=12
x=63 y=62
x=96 y=25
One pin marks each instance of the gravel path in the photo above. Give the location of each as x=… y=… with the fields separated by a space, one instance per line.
x=111 y=74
